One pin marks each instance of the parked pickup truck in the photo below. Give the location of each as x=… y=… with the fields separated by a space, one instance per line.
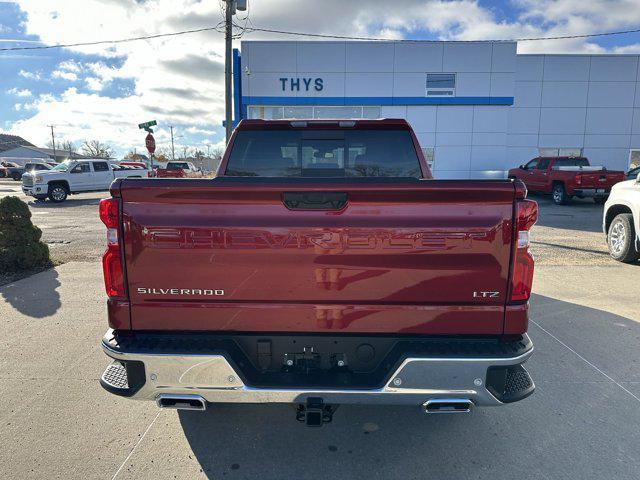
x=75 y=177
x=566 y=177
x=323 y=266
x=179 y=170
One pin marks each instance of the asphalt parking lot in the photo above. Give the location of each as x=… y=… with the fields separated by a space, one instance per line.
x=581 y=423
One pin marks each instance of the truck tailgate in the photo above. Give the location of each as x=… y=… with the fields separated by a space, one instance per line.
x=602 y=179
x=427 y=257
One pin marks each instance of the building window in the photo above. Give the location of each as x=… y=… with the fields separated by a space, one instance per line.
x=337 y=112
x=297 y=112
x=429 y=156
x=371 y=112
x=265 y=113
x=560 y=152
x=441 y=84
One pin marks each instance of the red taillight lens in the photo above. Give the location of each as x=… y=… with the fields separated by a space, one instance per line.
x=578 y=178
x=522 y=279
x=108 y=209
x=112 y=259
x=112 y=269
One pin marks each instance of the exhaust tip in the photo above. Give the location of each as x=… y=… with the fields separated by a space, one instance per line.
x=448 y=405
x=182 y=402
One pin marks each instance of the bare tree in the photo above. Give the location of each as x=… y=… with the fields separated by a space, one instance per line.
x=65 y=146
x=217 y=153
x=131 y=155
x=198 y=154
x=97 y=149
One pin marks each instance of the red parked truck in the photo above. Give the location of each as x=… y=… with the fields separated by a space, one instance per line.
x=322 y=266
x=566 y=177
x=179 y=170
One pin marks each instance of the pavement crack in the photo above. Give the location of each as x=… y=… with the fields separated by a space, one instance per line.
x=592 y=365
x=136 y=445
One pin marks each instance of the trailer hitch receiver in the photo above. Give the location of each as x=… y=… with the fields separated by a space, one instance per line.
x=315 y=412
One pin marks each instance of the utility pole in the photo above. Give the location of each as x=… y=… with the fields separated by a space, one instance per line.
x=53 y=142
x=173 y=153
x=229 y=10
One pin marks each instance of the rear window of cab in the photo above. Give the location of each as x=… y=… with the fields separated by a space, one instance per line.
x=323 y=153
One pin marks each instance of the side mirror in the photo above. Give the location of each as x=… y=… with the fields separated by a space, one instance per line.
x=521 y=167
x=638 y=178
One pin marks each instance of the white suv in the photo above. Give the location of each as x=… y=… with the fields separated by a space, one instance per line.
x=620 y=219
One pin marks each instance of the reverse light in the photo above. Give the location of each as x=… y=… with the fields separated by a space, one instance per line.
x=522 y=277
x=109 y=210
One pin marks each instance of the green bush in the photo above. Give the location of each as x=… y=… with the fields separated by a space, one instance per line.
x=20 y=245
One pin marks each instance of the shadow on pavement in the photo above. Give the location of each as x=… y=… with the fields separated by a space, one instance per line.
x=578 y=214
x=35 y=296
x=545 y=435
x=69 y=202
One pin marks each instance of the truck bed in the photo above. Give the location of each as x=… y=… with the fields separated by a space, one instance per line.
x=400 y=256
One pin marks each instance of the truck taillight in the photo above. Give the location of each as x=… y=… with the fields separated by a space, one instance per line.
x=578 y=179
x=522 y=279
x=112 y=259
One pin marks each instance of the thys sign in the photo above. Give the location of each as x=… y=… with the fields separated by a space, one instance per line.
x=299 y=84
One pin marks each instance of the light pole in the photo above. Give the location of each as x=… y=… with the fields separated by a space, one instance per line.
x=230 y=10
x=53 y=143
x=173 y=153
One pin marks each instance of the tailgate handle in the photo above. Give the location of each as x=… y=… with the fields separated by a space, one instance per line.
x=314 y=200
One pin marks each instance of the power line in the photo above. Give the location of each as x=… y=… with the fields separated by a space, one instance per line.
x=350 y=37
x=251 y=29
x=120 y=40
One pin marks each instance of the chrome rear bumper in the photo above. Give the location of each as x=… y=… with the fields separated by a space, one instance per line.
x=414 y=382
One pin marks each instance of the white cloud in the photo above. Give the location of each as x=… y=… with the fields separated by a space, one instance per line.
x=94 y=83
x=634 y=48
x=20 y=92
x=70 y=66
x=201 y=131
x=30 y=75
x=72 y=77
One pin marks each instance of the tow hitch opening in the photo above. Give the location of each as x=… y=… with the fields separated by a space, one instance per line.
x=315 y=412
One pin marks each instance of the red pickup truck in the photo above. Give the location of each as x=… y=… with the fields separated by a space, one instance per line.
x=566 y=177
x=179 y=170
x=322 y=266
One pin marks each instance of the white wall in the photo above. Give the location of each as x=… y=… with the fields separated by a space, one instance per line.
x=582 y=101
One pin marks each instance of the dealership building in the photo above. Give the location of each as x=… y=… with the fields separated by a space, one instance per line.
x=478 y=108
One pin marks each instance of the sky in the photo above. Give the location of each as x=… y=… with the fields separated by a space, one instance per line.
x=102 y=92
